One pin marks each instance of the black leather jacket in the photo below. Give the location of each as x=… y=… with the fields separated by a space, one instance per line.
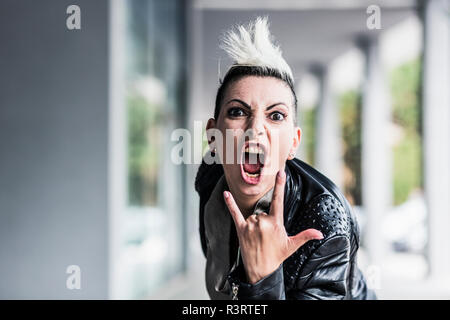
x=320 y=269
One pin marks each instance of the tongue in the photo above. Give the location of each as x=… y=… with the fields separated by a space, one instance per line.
x=252 y=168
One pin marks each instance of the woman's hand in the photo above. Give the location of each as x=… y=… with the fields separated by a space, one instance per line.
x=263 y=239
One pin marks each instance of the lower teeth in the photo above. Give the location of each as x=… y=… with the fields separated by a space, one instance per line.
x=253 y=175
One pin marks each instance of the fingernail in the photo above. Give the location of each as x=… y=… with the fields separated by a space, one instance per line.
x=319 y=236
x=281 y=174
x=226 y=194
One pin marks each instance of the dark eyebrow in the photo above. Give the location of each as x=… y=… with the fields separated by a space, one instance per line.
x=275 y=104
x=248 y=106
x=241 y=102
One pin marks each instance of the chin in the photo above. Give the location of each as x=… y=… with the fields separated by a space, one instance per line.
x=252 y=190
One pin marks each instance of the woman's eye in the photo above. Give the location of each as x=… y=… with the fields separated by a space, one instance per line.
x=277 y=116
x=236 y=112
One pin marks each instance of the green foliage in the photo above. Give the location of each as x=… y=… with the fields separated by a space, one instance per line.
x=405 y=81
x=350 y=116
x=308 y=133
x=407 y=162
x=407 y=167
x=144 y=139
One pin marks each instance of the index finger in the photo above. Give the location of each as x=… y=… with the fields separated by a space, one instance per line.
x=238 y=218
x=276 y=207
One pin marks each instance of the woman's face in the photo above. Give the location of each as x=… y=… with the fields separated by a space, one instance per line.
x=257 y=113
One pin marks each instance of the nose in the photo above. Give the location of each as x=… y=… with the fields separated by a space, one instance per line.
x=257 y=126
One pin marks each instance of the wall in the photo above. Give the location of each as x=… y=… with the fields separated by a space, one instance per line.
x=53 y=149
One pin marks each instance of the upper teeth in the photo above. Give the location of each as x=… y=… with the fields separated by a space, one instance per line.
x=253 y=149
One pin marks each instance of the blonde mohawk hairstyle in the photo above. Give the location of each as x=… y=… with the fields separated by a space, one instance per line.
x=252 y=46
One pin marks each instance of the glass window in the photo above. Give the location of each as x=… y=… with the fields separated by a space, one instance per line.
x=152 y=246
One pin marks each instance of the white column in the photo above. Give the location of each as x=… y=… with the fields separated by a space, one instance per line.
x=117 y=166
x=376 y=160
x=436 y=131
x=328 y=149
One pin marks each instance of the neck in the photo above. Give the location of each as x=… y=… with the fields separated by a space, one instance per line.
x=245 y=203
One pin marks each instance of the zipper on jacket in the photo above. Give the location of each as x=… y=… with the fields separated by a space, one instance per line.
x=234 y=289
x=234 y=285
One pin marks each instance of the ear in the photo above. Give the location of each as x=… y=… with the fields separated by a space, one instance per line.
x=295 y=142
x=211 y=124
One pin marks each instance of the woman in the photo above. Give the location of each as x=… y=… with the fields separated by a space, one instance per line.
x=271 y=226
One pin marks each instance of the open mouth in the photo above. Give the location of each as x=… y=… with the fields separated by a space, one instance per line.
x=252 y=162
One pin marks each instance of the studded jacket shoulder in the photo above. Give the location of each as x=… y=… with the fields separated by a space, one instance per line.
x=320 y=269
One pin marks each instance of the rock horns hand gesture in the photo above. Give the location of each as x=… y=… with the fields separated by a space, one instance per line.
x=263 y=240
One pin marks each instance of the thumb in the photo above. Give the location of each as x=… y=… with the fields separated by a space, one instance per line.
x=301 y=238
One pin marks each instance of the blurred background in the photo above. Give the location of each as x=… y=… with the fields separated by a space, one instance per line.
x=87 y=116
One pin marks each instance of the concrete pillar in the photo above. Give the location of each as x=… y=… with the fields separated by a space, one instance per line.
x=376 y=159
x=328 y=147
x=117 y=168
x=436 y=133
